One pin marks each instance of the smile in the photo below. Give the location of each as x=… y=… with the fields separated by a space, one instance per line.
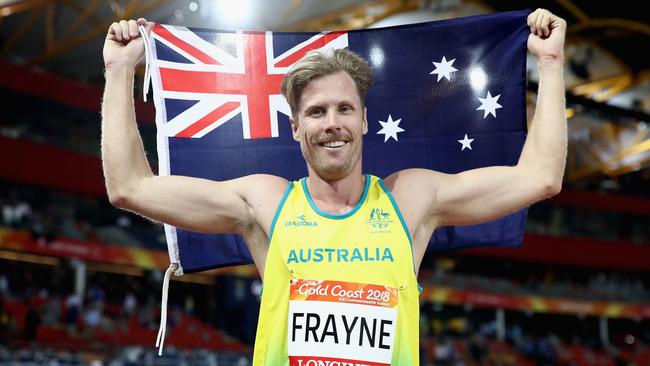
x=333 y=144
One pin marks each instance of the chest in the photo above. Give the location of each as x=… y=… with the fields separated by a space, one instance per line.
x=370 y=245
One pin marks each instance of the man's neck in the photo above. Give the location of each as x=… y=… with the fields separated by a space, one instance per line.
x=336 y=196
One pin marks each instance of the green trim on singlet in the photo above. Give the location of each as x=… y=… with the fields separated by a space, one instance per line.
x=277 y=211
x=399 y=213
x=303 y=181
x=401 y=219
x=275 y=218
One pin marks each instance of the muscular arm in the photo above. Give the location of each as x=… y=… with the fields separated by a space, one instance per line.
x=190 y=203
x=484 y=194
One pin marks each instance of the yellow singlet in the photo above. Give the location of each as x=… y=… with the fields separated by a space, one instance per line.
x=339 y=290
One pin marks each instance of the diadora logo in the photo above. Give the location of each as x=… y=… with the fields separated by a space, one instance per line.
x=379 y=219
x=300 y=221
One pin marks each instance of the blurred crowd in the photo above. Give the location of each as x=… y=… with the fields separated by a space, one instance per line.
x=42 y=121
x=462 y=336
x=32 y=298
x=546 y=219
x=48 y=214
x=526 y=278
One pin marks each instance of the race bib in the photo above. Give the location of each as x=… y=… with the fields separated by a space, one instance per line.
x=333 y=323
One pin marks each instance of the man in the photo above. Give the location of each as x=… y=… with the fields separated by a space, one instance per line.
x=338 y=287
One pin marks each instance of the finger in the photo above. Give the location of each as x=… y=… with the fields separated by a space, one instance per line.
x=531 y=21
x=535 y=22
x=124 y=28
x=538 y=23
x=545 y=22
x=114 y=32
x=556 y=22
x=133 y=28
x=148 y=26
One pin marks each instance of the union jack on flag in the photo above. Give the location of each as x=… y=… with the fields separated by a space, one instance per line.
x=447 y=95
x=238 y=74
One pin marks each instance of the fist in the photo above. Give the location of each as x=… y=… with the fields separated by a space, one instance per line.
x=123 y=44
x=547 y=32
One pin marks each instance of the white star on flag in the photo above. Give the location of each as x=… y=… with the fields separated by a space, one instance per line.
x=390 y=128
x=444 y=68
x=489 y=105
x=466 y=142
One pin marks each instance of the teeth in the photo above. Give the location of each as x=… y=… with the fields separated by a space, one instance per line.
x=334 y=144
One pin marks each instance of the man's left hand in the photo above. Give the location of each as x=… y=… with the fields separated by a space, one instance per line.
x=546 y=39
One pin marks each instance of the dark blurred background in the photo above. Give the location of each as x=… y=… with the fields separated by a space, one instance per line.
x=80 y=280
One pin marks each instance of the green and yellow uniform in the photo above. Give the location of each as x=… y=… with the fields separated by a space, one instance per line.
x=338 y=289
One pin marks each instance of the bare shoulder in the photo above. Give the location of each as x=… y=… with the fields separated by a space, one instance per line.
x=260 y=189
x=413 y=182
x=264 y=182
x=262 y=193
x=415 y=192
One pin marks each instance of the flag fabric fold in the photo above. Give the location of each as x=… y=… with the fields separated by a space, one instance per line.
x=448 y=95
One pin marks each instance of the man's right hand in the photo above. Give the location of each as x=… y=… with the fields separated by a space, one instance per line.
x=123 y=44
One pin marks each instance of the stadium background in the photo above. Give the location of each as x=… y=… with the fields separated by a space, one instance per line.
x=80 y=281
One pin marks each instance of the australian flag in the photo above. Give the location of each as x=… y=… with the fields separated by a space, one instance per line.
x=448 y=95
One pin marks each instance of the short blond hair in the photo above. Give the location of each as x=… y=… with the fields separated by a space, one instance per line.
x=316 y=64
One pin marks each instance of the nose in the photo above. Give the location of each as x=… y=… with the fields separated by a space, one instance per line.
x=332 y=123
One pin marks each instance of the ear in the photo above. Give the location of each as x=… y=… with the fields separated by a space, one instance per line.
x=365 y=120
x=294 y=129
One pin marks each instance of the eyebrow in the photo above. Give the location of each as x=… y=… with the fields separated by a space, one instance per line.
x=322 y=105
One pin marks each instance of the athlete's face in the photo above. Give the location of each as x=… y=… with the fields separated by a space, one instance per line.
x=330 y=126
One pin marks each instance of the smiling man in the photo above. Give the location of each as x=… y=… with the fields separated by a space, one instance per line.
x=338 y=250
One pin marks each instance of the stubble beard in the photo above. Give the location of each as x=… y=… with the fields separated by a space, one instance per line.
x=330 y=168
